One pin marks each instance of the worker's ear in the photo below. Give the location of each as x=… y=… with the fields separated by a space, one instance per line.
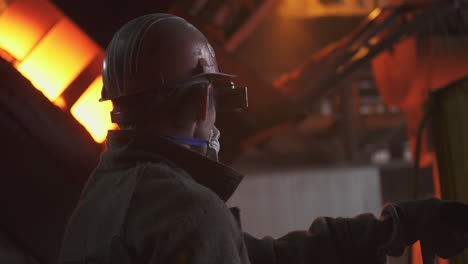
x=203 y=93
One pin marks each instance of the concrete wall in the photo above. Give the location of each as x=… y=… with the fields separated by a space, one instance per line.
x=274 y=202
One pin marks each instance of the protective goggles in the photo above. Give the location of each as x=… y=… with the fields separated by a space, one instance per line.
x=227 y=96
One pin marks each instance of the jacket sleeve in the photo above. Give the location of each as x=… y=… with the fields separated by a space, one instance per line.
x=361 y=239
x=171 y=221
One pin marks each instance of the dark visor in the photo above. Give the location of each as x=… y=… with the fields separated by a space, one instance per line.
x=227 y=96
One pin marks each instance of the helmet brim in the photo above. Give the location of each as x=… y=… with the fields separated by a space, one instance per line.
x=216 y=75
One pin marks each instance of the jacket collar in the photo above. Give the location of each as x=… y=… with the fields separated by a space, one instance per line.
x=137 y=146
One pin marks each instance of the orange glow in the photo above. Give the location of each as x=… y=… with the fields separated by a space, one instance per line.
x=3 y=5
x=51 y=51
x=416 y=256
x=58 y=58
x=23 y=23
x=375 y=13
x=60 y=102
x=318 y=8
x=91 y=113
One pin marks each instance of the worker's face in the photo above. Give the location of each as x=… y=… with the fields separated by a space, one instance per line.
x=204 y=127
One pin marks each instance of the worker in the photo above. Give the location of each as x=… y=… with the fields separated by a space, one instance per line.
x=159 y=192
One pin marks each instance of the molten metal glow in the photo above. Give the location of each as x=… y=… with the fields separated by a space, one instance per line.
x=51 y=51
x=57 y=60
x=23 y=23
x=91 y=113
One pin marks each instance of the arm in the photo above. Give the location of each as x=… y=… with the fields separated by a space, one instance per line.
x=440 y=225
x=328 y=240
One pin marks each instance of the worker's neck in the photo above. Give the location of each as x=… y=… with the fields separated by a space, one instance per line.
x=173 y=131
x=167 y=130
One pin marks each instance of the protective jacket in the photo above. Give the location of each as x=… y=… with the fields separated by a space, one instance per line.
x=153 y=201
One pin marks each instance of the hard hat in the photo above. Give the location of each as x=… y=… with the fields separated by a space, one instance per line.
x=155 y=50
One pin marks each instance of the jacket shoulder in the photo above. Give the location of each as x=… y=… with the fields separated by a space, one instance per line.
x=169 y=209
x=163 y=187
x=162 y=181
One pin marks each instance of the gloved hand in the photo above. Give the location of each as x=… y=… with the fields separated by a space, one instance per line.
x=442 y=226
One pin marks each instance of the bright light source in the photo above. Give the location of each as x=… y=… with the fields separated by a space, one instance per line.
x=51 y=51
x=23 y=23
x=91 y=113
x=375 y=13
x=57 y=60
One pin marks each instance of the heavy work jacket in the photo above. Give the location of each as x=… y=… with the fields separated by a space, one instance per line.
x=153 y=201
